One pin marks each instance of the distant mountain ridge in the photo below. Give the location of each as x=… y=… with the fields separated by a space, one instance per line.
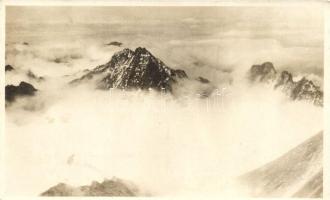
x=303 y=89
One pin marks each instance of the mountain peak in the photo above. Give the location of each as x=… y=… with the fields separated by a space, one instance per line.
x=137 y=69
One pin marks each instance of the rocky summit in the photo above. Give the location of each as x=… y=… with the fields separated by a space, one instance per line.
x=303 y=89
x=137 y=69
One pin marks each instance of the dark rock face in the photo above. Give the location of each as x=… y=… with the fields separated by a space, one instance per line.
x=23 y=89
x=302 y=166
x=9 y=68
x=137 y=69
x=113 y=187
x=115 y=43
x=303 y=89
x=263 y=72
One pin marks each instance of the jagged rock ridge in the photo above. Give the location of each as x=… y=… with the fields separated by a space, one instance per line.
x=298 y=173
x=303 y=89
x=113 y=187
x=137 y=69
x=23 y=89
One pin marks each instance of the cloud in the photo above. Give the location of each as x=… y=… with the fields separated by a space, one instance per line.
x=183 y=145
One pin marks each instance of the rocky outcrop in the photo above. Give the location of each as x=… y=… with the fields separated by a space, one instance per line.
x=9 y=68
x=303 y=89
x=23 y=89
x=113 y=187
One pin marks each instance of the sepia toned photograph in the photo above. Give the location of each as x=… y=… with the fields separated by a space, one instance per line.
x=164 y=101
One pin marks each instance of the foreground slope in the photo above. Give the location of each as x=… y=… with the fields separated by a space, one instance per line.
x=298 y=173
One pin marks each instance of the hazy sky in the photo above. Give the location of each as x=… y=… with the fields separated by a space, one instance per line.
x=304 y=16
x=292 y=33
x=306 y=22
